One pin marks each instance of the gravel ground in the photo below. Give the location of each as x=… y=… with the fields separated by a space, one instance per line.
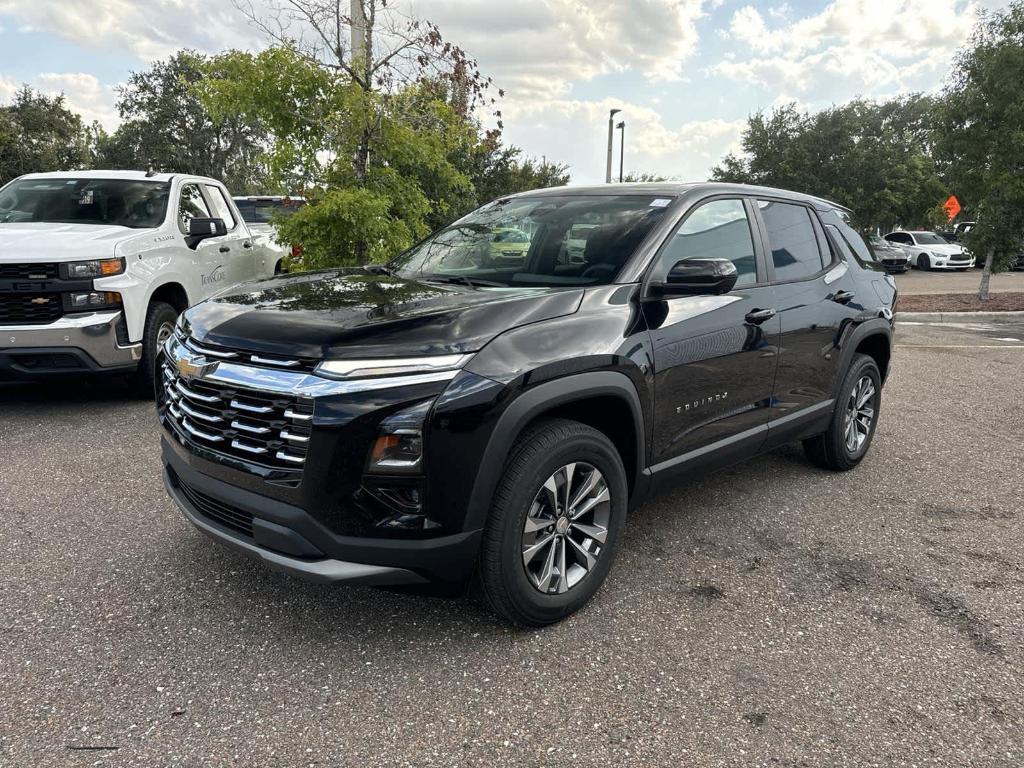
x=916 y=282
x=769 y=615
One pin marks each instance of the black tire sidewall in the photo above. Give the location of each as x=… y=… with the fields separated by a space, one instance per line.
x=159 y=313
x=862 y=365
x=530 y=605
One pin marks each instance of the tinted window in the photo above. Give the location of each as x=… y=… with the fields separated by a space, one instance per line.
x=262 y=210
x=928 y=238
x=548 y=246
x=899 y=237
x=121 y=202
x=716 y=230
x=794 y=245
x=191 y=206
x=220 y=203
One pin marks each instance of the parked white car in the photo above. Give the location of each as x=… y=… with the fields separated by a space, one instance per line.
x=928 y=250
x=258 y=211
x=95 y=266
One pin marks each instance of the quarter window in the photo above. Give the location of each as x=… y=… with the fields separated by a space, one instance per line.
x=220 y=203
x=717 y=230
x=795 y=251
x=191 y=206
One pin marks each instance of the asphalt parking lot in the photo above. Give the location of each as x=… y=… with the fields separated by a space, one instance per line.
x=769 y=615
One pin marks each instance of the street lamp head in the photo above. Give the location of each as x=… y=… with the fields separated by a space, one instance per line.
x=613 y=112
x=621 y=124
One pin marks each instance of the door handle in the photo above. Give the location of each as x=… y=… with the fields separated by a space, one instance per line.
x=247 y=244
x=758 y=316
x=843 y=297
x=224 y=248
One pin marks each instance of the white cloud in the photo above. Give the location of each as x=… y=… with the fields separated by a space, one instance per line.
x=851 y=46
x=83 y=94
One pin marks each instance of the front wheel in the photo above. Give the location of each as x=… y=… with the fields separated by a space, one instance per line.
x=555 y=523
x=160 y=319
x=854 y=419
x=923 y=262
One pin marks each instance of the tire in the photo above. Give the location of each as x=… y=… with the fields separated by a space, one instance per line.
x=538 y=592
x=923 y=262
x=834 y=449
x=160 y=319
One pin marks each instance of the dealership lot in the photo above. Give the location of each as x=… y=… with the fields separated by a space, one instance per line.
x=771 y=614
x=916 y=282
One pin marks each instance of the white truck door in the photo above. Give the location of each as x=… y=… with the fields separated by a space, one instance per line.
x=240 y=255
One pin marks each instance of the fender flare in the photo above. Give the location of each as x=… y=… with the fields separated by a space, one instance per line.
x=878 y=326
x=533 y=402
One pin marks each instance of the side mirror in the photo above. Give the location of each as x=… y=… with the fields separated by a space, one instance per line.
x=202 y=228
x=699 y=277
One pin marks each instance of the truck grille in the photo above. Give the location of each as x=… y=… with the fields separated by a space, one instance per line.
x=28 y=271
x=217 y=352
x=257 y=427
x=30 y=308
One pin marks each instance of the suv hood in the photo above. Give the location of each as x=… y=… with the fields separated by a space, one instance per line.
x=354 y=314
x=28 y=242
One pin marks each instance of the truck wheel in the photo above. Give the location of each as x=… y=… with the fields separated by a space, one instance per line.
x=555 y=523
x=854 y=419
x=160 y=319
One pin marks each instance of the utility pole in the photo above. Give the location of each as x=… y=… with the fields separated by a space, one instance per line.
x=622 y=147
x=611 y=133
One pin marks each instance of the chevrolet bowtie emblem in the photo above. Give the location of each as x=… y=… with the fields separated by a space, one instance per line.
x=194 y=369
x=41 y=300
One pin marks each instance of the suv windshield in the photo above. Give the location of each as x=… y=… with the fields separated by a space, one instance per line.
x=262 y=210
x=929 y=238
x=539 y=241
x=121 y=202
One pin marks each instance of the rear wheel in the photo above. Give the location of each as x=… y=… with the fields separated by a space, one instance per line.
x=854 y=419
x=555 y=523
x=160 y=319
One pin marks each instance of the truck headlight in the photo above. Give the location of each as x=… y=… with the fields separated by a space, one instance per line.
x=86 y=270
x=398 y=448
x=87 y=301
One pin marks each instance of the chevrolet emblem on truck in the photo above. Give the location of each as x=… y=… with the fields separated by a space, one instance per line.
x=194 y=369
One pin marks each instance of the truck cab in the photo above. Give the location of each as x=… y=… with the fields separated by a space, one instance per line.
x=95 y=266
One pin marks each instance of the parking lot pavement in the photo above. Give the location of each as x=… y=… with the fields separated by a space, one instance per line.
x=771 y=614
x=915 y=282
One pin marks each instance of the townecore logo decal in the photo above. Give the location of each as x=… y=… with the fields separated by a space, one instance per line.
x=216 y=276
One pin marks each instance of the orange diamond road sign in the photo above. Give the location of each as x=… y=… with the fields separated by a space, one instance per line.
x=952 y=207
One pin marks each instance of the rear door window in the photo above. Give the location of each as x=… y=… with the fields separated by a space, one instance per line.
x=792 y=239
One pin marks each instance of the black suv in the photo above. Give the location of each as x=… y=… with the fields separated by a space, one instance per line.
x=469 y=411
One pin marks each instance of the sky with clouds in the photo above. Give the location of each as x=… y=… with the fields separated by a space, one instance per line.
x=685 y=73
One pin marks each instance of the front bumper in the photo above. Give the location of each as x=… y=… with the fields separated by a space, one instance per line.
x=287 y=538
x=72 y=344
x=950 y=264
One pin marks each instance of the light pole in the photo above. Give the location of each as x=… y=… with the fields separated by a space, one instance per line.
x=622 y=147
x=611 y=129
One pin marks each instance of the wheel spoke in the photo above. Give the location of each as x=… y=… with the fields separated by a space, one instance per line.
x=586 y=558
x=534 y=524
x=867 y=391
x=595 y=532
x=551 y=493
x=567 y=474
x=548 y=572
x=585 y=489
x=592 y=502
x=531 y=551
x=563 y=580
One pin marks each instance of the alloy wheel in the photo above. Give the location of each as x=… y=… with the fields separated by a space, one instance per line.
x=860 y=414
x=163 y=333
x=566 y=528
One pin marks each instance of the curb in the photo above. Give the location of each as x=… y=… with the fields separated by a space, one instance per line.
x=941 y=317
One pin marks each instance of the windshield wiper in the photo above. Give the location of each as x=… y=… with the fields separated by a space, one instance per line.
x=472 y=282
x=379 y=269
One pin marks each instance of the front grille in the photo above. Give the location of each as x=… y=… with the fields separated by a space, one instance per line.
x=257 y=427
x=30 y=308
x=28 y=271
x=217 y=352
x=229 y=516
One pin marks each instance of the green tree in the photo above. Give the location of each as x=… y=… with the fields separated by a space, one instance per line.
x=874 y=158
x=979 y=137
x=39 y=133
x=165 y=124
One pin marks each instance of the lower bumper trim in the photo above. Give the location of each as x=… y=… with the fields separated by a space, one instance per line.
x=325 y=571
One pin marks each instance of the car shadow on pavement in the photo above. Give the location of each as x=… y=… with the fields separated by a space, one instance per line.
x=83 y=389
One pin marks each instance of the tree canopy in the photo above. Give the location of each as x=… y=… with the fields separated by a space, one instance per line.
x=39 y=133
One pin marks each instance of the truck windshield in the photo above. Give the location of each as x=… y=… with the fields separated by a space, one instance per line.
x=262 y=210
x=131 y=203
x=539 y=241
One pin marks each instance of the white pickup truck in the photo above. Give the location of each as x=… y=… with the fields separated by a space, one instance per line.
x=95 y=266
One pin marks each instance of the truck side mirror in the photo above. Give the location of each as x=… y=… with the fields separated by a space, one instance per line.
x=698 y=277
x=200 y=228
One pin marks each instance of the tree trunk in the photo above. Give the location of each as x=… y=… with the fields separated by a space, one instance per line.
x=986 y=275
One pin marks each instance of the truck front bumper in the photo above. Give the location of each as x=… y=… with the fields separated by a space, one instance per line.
x=72 y=344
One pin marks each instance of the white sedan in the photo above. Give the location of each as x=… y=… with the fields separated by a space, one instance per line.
x=928 y=250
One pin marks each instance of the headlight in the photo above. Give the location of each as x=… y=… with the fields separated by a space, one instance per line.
x=399 y=444
x=86 y=270
x=88 y=301
x=391 y=366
